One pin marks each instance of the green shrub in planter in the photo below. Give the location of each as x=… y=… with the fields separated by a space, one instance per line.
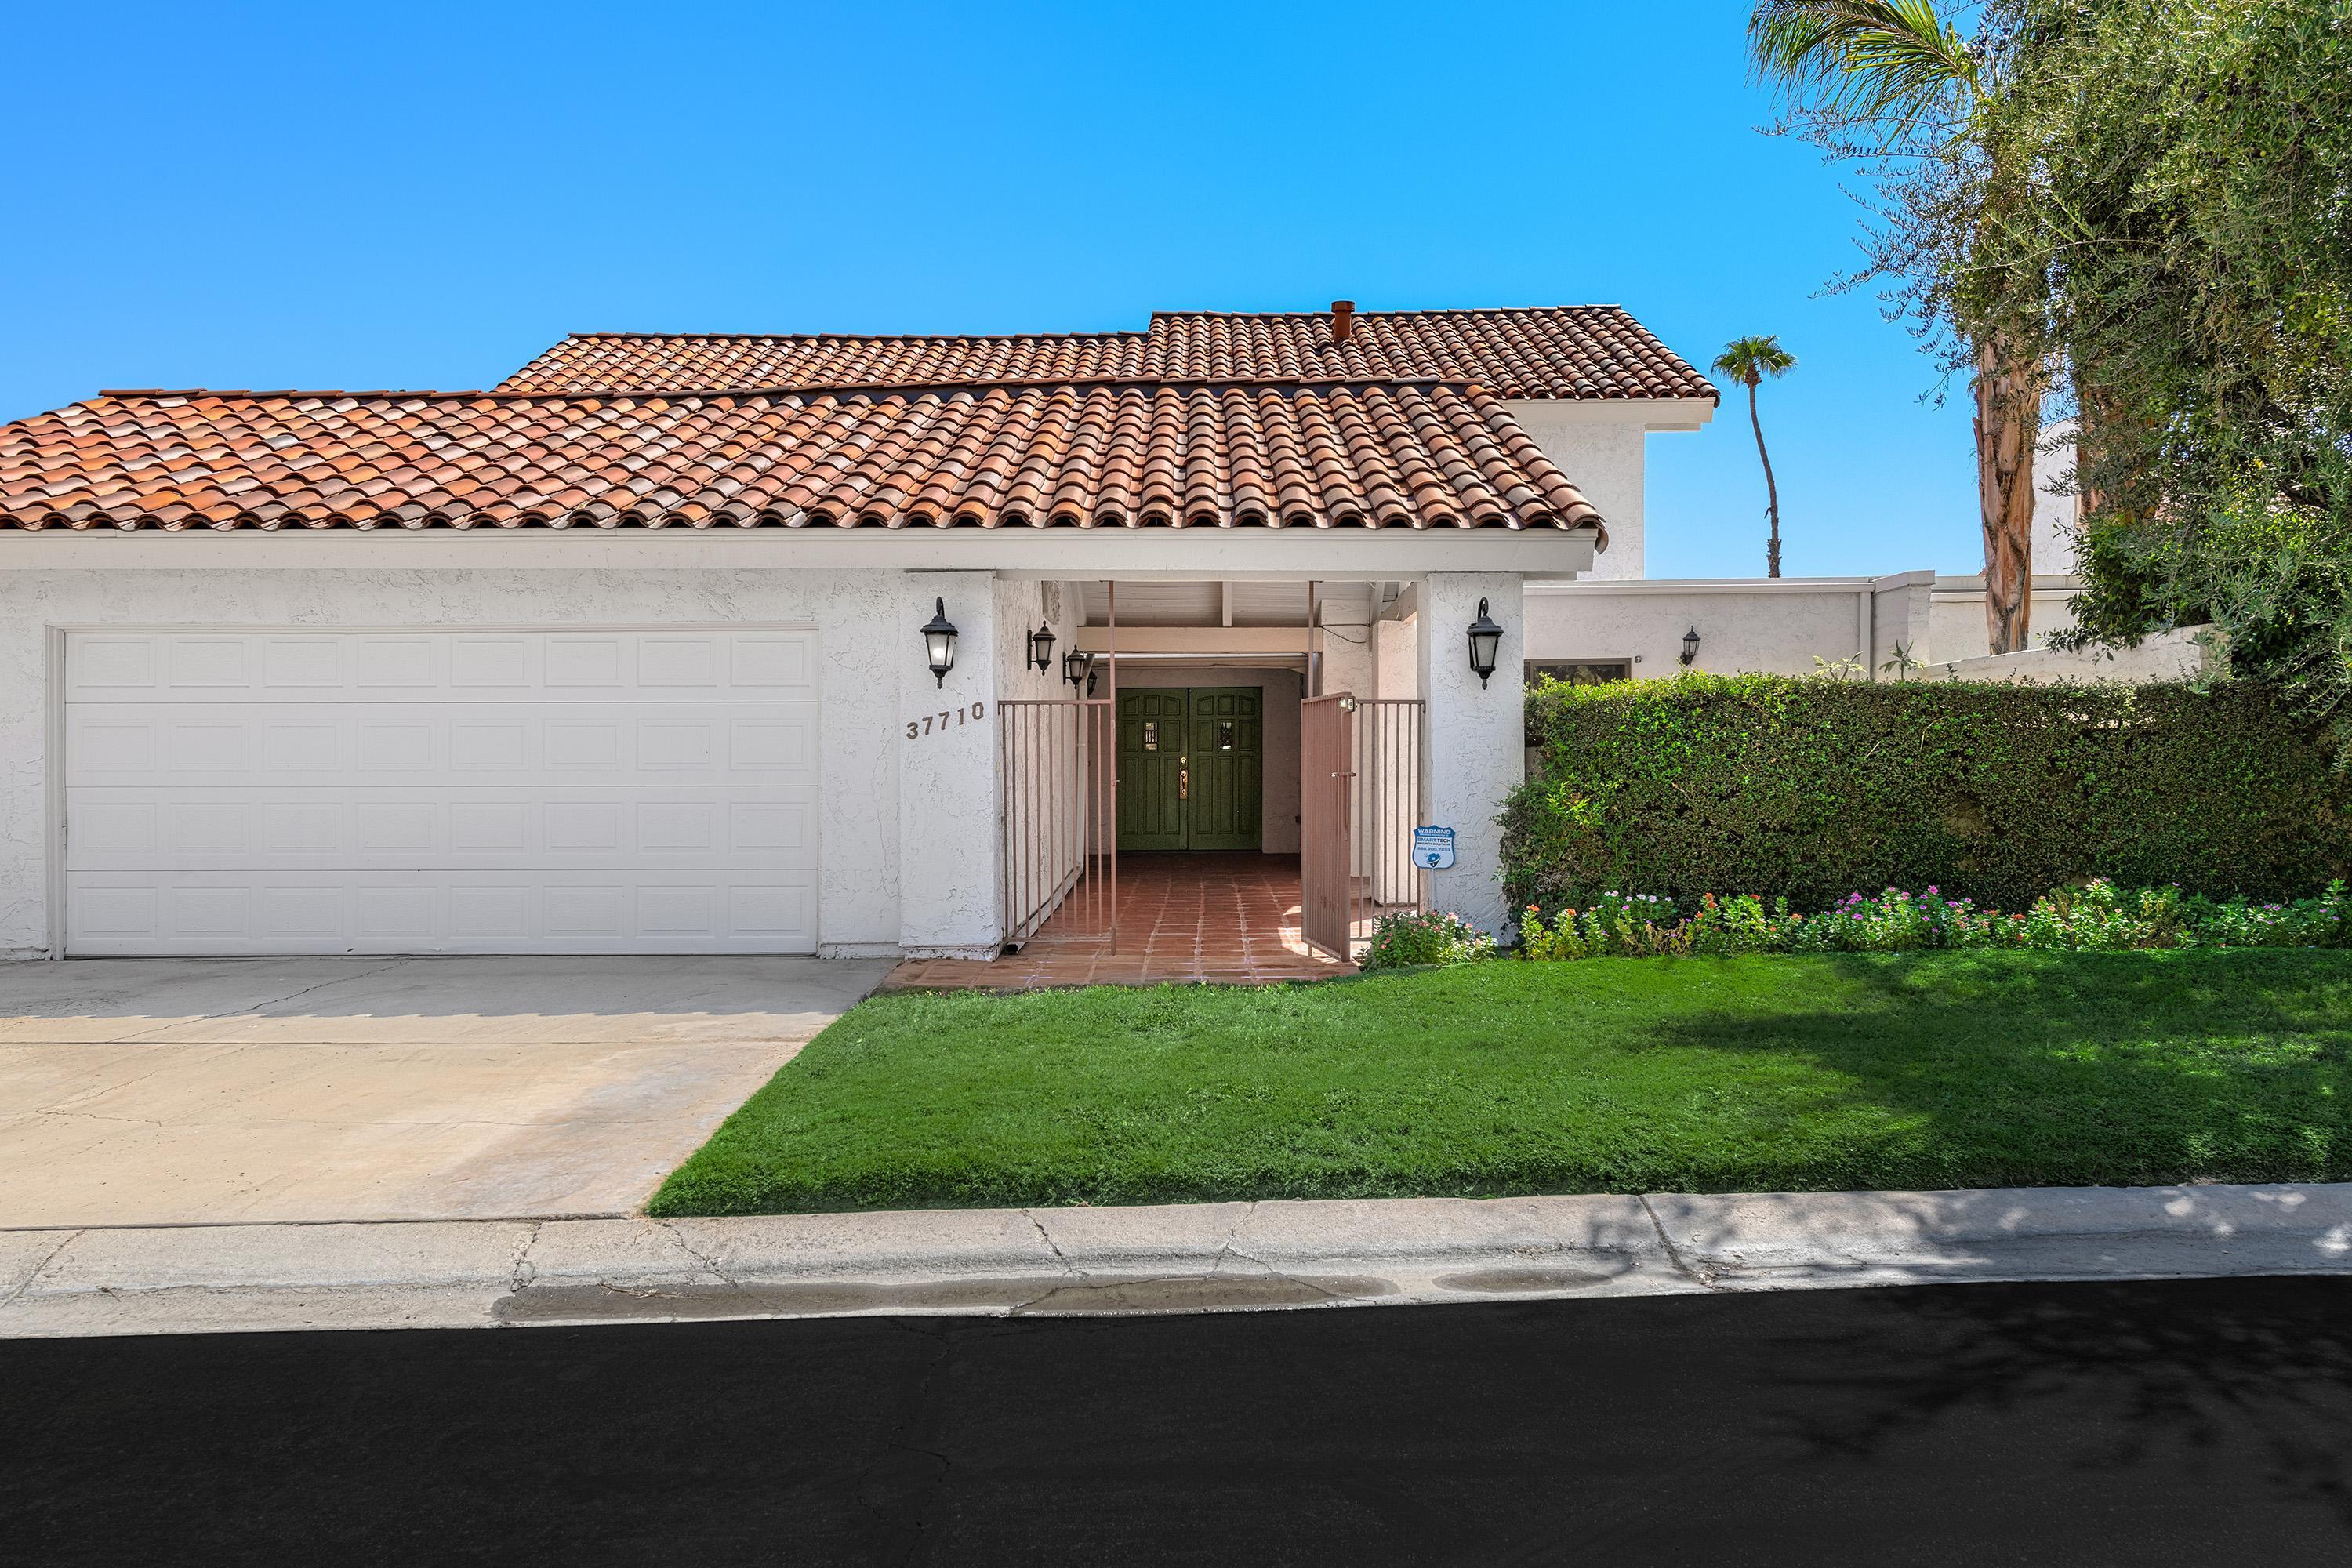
x=1811 y=789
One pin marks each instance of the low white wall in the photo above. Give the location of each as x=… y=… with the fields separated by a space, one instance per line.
x=2181 y=655
x=1957 y=627
x=1773 y=626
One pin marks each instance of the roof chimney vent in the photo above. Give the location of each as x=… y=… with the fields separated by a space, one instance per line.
x=1343 y=319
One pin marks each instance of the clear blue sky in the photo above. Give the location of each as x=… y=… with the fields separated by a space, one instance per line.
x=424 y=196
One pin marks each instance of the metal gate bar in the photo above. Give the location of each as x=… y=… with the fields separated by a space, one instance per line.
x=1388 y=809
x=1327 y=774
x=1055 y=759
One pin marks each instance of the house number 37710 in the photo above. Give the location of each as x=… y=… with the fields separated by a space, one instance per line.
x=929 y=723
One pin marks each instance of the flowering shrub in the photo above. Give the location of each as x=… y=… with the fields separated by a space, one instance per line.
x=2095 y=917
x=1622 y=925
x=1430 y=936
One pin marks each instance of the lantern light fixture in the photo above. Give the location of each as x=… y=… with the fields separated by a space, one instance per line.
x=940 y=640
x=1690 y=645
x=1486 y=642
x=1079 y=667
x=1041 y=646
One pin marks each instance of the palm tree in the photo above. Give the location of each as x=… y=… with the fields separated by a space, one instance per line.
x=1748 y=360
x=1894 y=75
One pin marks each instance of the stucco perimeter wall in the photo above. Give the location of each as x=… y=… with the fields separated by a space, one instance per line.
x=858 y=614
x=1743 y=625
x=1958 y=630
x=2183 y=654
x=1761 y=626
x=1478 y=736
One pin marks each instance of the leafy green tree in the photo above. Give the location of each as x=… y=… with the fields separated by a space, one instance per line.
x=1748 y=360
x=1895 y=84
x=2188 y=243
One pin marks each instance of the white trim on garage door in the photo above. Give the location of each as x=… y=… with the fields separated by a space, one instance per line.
x=515 y=791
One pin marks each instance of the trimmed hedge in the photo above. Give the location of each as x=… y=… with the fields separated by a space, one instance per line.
x=1811 y=789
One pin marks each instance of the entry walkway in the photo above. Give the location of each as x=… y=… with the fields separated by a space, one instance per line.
x=1205 y=917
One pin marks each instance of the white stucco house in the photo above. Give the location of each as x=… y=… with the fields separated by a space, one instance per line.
x=629 y=653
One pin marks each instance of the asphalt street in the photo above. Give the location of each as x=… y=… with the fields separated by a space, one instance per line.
x=2193 y=1422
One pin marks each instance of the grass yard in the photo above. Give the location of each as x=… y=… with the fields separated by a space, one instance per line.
x=1939 y=1070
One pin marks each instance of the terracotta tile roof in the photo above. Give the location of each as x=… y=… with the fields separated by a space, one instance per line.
x=1563 y=352
x=652 y=361
x=1101 y=454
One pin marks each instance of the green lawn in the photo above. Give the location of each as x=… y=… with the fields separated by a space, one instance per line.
x=1951 y=1069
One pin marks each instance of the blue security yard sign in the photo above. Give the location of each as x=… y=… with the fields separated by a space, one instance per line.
x=1433 y=848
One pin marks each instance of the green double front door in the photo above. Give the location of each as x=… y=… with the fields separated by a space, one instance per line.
x=1191 y=767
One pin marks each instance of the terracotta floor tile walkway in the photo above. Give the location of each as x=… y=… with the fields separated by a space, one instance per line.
x=1227 y=919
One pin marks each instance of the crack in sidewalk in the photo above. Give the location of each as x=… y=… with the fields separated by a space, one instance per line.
x=256 y=1007
x=39 y=1268
x=1696 y=1276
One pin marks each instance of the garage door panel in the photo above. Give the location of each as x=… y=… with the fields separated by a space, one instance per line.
x=291 y=828
x=395 y=792
x=777 y=666
x=246 y=744
x=114 y=913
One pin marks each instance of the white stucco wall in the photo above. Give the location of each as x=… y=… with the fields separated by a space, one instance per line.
x=950 y=892
x=1603 y=456
x=2054 y=502
x=1603 y=446
x=1477 y=751
x=1956 y=626
x=2183 y=654
x=1398 y=654
x=858 y=614
x=1350 y=661
x=1775 y=628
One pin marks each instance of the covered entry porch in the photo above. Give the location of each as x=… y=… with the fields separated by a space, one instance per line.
x=1227 y=787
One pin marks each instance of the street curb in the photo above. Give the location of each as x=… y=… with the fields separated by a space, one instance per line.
x=1176 y=1258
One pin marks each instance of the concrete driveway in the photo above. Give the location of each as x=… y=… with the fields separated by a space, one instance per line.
x=163 y=1091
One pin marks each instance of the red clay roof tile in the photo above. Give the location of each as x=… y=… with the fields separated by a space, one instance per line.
x=1559 y=352
x=1099 y=454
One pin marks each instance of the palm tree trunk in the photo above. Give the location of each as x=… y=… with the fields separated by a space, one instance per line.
x=1771 y=490
x=2008 y=422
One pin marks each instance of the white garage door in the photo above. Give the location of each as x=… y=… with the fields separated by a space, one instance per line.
x=441 y=792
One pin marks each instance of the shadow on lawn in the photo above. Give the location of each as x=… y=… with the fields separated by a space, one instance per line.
x=2138 y=1068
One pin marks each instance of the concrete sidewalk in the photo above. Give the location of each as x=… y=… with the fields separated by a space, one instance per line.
x=1192 y=1258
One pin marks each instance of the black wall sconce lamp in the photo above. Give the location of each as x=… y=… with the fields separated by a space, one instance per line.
x=1041 y=646
x=1078 y=668
x=939 y=640
x=1486 y=641
x=1690 y=645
